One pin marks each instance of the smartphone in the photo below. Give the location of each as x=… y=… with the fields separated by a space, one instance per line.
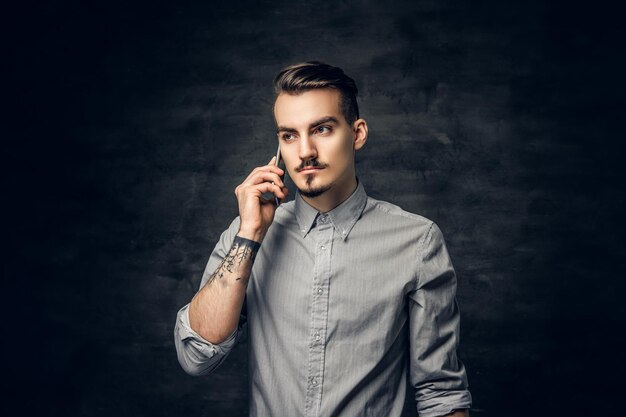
x=277 y=163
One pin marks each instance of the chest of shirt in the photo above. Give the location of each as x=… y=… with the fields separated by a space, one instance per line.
x=356 y=284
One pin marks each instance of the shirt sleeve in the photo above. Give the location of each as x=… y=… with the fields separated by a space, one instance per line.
x=438 y=376
x=196 y=355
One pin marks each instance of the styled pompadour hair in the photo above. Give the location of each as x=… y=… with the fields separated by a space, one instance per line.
x=305 y=76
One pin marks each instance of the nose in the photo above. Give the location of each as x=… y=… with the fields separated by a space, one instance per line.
x=307 y=148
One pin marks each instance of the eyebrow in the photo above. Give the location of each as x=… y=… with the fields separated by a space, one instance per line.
x=326 y=119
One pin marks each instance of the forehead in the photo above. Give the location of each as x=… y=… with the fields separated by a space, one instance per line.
x=299 y=110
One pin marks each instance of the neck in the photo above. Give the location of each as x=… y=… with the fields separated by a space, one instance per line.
x=332 y=197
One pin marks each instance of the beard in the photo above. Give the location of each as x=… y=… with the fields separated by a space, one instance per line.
x=312 y=192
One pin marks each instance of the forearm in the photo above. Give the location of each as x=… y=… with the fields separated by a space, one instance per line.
x=214 y=311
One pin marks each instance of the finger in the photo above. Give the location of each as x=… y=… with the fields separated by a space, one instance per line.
x=265 y=168
x=263 y=176
x=280 y=198
x=272 y=200
x=246 y=191
x=269 y=166
x=267 y=187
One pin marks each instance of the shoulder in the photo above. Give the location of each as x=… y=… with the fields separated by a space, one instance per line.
x=285 y=216
x=390 y=219
x=286 y=208
x=233 y=228
x=392 y=212
x=286 y=211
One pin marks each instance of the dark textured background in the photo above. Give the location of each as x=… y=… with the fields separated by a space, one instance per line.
x=501 y=121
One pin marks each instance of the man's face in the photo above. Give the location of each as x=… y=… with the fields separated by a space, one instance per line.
x=316 y=142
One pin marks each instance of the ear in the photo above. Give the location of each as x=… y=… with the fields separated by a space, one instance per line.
x=360 y=133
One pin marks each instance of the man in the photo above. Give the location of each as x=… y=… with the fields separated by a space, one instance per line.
x=343 y=294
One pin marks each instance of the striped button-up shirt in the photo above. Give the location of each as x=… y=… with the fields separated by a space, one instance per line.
x=340 y=306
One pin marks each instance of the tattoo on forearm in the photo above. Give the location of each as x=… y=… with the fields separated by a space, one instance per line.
x=241 y=250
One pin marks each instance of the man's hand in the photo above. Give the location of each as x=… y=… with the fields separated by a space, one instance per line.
x=256 y=213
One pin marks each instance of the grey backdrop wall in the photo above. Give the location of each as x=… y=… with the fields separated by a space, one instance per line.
x=134 y=122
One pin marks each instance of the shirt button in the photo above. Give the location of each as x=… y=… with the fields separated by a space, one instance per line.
x=314 y=382
x=317 y=336
x=319 y=290
x=323 y=247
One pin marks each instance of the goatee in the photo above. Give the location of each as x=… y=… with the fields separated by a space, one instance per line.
x=311 y=192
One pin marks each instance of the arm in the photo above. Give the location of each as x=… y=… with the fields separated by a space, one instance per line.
x=437 y=375
x=206 y=329
x=214 y=311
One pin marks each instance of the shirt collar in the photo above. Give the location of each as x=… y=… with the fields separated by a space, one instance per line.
x=343 y=217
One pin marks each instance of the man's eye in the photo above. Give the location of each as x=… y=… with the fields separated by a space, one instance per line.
x=287 y=137
x=322 y=129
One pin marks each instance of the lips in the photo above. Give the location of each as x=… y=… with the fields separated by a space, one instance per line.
x=309 y=169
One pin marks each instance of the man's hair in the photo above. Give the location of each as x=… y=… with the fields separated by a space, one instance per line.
x=298 y=78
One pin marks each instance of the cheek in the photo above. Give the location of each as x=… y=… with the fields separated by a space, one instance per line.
x=340 y=151
x=290 y=161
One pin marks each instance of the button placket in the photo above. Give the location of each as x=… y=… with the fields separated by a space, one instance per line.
x=322 y=233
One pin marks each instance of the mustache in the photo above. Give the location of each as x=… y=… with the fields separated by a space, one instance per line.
x=314 y=163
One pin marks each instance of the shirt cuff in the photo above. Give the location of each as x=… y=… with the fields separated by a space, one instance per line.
x=441 y=403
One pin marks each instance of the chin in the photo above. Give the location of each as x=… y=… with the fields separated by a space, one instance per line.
x=311 y=190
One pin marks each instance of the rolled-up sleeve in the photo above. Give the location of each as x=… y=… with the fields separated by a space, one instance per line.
x=438 y=376
x=196 y=355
